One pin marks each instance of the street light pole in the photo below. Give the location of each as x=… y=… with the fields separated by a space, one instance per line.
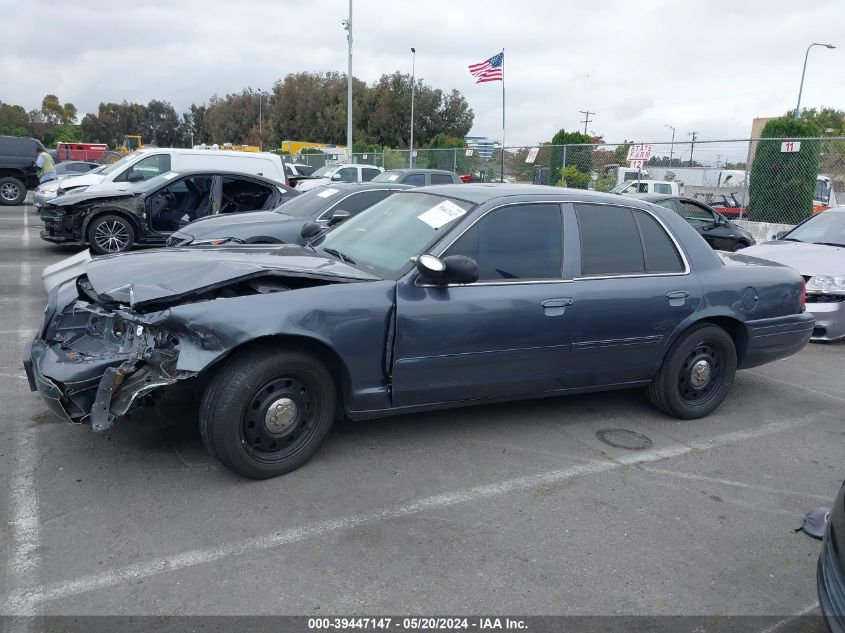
x=260 y=135
x=672 y=144
x=347 y=24
x=803 y=71
x=413 y=90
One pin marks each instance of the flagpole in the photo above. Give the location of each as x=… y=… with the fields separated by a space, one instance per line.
x=502 y=175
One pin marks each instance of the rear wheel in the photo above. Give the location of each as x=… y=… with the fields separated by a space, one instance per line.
x=266 y=412
x=739 y=246
x=110 y=234
x=696 y=374
x=12 y=191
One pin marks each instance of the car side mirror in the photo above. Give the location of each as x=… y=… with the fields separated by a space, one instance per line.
x=310 y=230
x=338 y=217
x=134 y=176
x=336 y=177
x=454 y=269
x=779 y=235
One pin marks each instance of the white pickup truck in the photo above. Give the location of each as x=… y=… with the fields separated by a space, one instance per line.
x=338 y=173
x=643 y=187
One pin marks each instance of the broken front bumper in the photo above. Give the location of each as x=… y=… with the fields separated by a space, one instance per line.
x=93 y=364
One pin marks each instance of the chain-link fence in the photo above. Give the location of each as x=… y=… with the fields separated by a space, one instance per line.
x=764 y=180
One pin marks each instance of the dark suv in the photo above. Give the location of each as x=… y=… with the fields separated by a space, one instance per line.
x=17 y=167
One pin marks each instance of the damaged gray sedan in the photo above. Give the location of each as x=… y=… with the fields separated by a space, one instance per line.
x=435 y=297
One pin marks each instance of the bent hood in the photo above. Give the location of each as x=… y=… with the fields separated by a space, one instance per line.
x=70 y=199
x=167 y=275
x=808 y=259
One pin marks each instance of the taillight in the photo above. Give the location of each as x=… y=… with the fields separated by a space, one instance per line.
x=803 y=295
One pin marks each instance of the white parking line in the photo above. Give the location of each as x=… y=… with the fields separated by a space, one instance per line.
x=779 y=625
x=23 y=493
x=13 y=602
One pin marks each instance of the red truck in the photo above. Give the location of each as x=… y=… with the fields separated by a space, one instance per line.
x=81 y=151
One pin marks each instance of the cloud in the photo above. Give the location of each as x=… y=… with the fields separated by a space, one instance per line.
x=709 y=67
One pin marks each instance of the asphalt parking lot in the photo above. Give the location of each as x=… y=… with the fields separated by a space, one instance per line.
x=516 y=508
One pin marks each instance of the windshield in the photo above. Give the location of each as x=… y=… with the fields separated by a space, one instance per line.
x=310 y=203
x=383 y=239
x=115 y=166
x=326 y=170
x=826 y=228
x=622 y=186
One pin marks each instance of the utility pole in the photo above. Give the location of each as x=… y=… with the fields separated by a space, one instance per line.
x=413 y=89
x=692 y=145
x=587 y=118
x=671 y=144
x=347 y=25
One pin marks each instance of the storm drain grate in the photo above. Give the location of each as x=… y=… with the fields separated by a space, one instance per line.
x=623 y=438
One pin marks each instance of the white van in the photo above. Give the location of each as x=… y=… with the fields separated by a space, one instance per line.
x=644 y=187
x=147 y=163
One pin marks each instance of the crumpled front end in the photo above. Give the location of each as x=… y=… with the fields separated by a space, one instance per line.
x=95 y=363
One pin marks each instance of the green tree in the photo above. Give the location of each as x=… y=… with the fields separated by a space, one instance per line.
x=829 y=121
x=577 y=153
x=571 y=176
x=782 y=183
x=163 y=123
x=14 y=120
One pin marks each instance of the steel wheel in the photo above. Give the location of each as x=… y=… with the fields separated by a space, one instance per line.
x=696 y=373
x=278 y=419
x=267 y=410
x=10 y=191
x=700 y=375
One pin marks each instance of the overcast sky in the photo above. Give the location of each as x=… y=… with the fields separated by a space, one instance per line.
x=708 y=66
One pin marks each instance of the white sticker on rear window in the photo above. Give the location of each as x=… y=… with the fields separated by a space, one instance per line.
x=170 y=175
x=442 y=214
x=327 y=193
x=393 y=177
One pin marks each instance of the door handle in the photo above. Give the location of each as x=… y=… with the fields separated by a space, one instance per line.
x=556 y=307
x=677 y=297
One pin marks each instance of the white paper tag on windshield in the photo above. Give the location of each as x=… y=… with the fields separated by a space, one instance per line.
x=393 y=177
x=327 y=193
x=442 y=214
x=170 y=175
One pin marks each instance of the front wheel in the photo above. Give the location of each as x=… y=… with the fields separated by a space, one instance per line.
x=696 y=374
x=266 y=412
x=110 y=234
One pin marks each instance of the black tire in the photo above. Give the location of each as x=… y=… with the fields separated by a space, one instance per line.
x=12 y=191
x=696 y=373
x=236 y=418
x=738 y=246
x=110 y=234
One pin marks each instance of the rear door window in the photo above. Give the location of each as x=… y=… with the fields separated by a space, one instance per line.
x=368 y=173
x=623 y=241
x=415 y=180
x=610 y=242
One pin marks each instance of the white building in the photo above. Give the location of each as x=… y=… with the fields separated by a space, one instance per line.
x=483 y=144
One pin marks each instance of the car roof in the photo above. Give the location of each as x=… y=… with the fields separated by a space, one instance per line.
x=414 y=170
x=657 y=197
x=361 y=186
x=479 y=193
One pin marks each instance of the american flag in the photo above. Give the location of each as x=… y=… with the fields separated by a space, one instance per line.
x=490 y=69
